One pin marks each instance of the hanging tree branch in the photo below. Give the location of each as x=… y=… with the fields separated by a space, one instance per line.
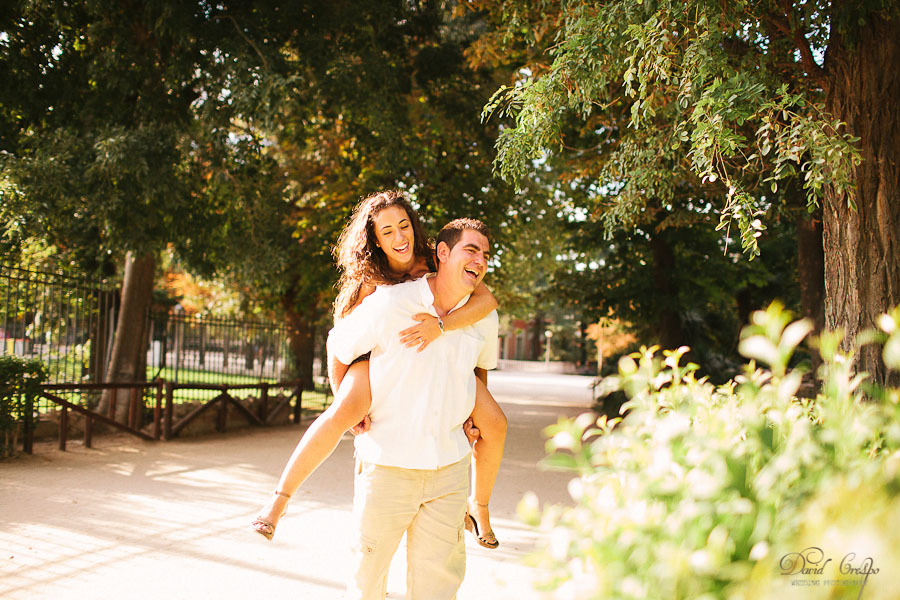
x=265 y=63
x=782 y=25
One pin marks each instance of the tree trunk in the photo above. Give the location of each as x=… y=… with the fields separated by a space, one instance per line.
x=811 y=273
x=538 y=338
x=301 y=329
x=582 y=343
x=101 y=334
x=862 y=250
x=668 y=325
x=130 y=341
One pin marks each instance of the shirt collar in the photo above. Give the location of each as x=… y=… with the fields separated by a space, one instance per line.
x=428 y=297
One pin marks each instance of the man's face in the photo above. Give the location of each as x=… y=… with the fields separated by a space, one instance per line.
x=466 y=262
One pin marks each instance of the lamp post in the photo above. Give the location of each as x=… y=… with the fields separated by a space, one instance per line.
x=548 y=334
x=179 y=338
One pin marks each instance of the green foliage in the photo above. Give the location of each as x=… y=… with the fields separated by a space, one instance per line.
x=20 y=381
x=379 y=96
x=238 y=135
x=94 y=121
x=656 y=230
x=700 y=489
x=20 y=384
x=720 y=90
x=708 y=288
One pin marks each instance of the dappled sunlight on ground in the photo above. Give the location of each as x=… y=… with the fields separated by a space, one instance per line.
x=133 y=519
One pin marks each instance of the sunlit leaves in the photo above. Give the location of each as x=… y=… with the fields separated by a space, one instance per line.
x=700 y=489
x=711 y=77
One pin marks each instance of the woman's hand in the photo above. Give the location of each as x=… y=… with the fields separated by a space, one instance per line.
x=422 y=334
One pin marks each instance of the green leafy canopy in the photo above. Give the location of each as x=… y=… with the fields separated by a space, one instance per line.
x=724 y=88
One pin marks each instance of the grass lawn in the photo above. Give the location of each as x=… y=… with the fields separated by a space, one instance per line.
x=192 y=376
x=314 y=400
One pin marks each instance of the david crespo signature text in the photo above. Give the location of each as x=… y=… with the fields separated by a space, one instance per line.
x=812 y=561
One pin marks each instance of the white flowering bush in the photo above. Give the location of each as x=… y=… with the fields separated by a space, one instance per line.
x=700 y=491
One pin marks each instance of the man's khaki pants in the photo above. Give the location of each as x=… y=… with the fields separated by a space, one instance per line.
x=430 y=506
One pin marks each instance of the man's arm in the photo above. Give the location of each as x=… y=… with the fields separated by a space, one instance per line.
x=490 y=350
x=481 y=374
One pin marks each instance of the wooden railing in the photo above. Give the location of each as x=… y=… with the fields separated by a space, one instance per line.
x=130 y=424
x=163 y=424
x=264 y=417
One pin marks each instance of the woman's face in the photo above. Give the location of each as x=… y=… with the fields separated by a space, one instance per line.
x=394 y=235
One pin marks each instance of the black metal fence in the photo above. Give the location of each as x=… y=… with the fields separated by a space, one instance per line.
x=69 y=322
x=195 y=349
x=66 y=322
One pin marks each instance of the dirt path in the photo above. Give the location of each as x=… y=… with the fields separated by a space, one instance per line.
x=170 y=520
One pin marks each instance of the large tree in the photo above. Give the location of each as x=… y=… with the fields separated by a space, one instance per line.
x=100 y=112
x=374 y=99
x=744 y=94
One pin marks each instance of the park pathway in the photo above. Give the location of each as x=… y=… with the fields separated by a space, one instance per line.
x=170 y=520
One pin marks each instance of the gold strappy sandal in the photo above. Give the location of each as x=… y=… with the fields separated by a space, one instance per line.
x=265 y=527
x=488 y=539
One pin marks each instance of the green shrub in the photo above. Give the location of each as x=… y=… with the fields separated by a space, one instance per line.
x=701 y=491
x=20 y=383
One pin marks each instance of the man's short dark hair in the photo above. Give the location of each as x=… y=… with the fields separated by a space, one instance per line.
x=452 y=231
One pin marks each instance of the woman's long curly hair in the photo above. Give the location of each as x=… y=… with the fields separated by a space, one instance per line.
x=360 y=260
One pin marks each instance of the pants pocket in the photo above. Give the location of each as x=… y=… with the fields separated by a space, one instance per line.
x=365 y=545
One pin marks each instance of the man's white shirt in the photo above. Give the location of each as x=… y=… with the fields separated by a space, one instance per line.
x=419 y=399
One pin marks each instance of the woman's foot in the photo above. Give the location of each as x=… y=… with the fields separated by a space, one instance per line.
x=267 y=519
x=478 y=522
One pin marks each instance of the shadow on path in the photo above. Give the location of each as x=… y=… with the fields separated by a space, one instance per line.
x=131 y=519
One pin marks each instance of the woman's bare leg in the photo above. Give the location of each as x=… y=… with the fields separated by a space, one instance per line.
x=487 y=454
x=350 y=406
